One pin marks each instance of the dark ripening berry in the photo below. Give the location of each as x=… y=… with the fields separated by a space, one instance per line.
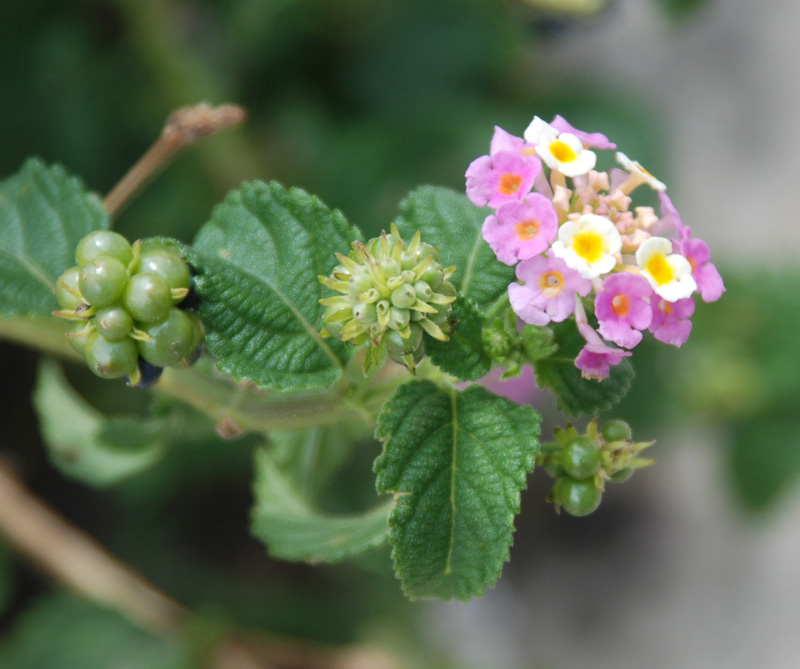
x=114 y=323
x=103 y=243
x=616 y=430
x=170 y=339
x=102 y=281
x=579 y=498
x=166 y=263
x=110 y=359
x=148 y=374
x=147 y=297
x=198 y=343
x=68 y=292
x=581 y=458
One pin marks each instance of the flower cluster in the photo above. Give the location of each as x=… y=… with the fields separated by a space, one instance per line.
x=573 y=232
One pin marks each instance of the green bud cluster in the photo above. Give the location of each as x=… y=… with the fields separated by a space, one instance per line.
x=511 y=348
x=126 y=300
x=390 y=294
x=581 y=464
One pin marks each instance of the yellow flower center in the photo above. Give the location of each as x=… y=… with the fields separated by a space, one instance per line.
x=527 y=230
x=551 y=283
x=661 y=271
x=562 y=152
x=621 y=305
x=510 y=183
x=588 y=245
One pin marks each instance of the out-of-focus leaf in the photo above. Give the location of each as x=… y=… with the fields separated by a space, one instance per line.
x=86 y=445
x=64 y=632
x=462 y=355
x=292 y=530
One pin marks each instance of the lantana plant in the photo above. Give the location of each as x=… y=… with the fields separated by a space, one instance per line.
x=316 y=339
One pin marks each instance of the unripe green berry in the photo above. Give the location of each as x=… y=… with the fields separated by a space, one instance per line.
x=147 y=297
x=404 y=296
x=103 y=243
x=360 y=282
x=423 y=290
x=433 y=277
x=79 y=336
x=110 y=359
x=398 y=318
x=407 y=261
x=170 y=339
x=365 y=312
x=616 y=430
x=621 y=475
x=68 y=292
x=579 y=498
x=103 y=281
x=166 y=263
x=581 y=458
x=114 y=323
x=390 y=267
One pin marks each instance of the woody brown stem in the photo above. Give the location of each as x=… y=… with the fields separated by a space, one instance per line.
x=183 y=128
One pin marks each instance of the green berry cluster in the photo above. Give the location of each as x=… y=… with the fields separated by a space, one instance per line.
x=390 y=294
x=126 y=302
x=581 y=464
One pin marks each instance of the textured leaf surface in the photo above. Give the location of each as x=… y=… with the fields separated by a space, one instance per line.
x=574 y=394
x=82 y=442
x=450 y=221
x=456 y=463
x=463 y=355
x=44 y=213
x=292 y=530
x=258 y=260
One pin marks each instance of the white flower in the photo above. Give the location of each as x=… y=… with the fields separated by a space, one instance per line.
x=639 y=175
x=588 y=245
x=669 y=273
x=560 y=151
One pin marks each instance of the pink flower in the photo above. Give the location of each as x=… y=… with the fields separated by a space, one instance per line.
x=622 y=309
x=596 y=359
x=503 y=177
x=696 y=251
x=588 y=139
x=671 y=323
x=505 y=141
x=521 y=229
x=549 y=291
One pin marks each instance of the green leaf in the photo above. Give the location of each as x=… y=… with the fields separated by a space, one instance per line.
x=456 y=463
x=574 y=394
x=258 y=260
x=60 y=630
x=44 y=213
x=292 y=530
x=462 y=355
x=83 y=443
x=450 y=221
